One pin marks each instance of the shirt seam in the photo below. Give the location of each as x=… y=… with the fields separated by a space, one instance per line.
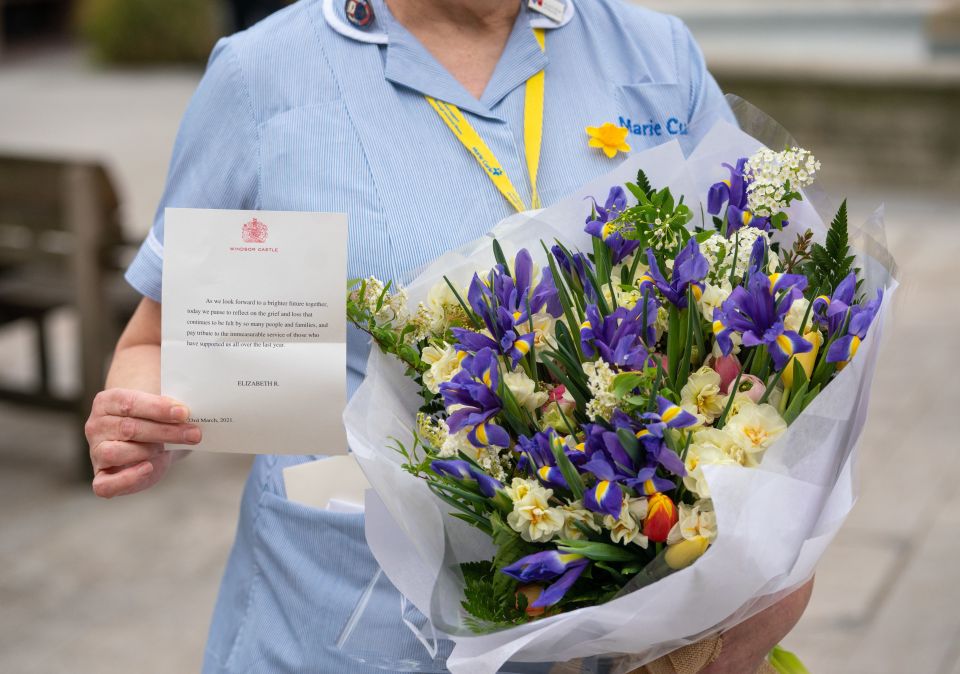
x=680 y=33
x=253 y=118
x=366 y=159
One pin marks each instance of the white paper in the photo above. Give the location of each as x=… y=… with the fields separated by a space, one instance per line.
x=254 y=328
x=774 y=521
x=335 y=484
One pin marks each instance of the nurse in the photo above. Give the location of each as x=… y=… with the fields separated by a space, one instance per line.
x=346 y=107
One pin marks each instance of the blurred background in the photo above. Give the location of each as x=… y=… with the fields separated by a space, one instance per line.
x=91 y=92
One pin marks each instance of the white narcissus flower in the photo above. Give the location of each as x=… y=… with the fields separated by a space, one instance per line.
x=712 y=297
x=701 y=395
x=575 y=513
x=444 y=363
x=532 y=516
x=627 y=528
x=755 y=428
x=709 y=447
x=543 y=330
x=444 y=307
x=440 y=297
x=524 y=389
x=795 y=315
x=696 y=520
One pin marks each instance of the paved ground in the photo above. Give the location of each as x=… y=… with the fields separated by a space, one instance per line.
x=128 y=585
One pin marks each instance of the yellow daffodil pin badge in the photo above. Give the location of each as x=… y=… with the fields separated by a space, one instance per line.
x=609 y=138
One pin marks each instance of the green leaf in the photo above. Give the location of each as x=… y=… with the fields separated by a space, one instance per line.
x=796 y=404
x=831 y=262
x=786 y=662
x=500 y=257
x=643 y=182
x=570 y=474
x=630 y=443
x=601 y=552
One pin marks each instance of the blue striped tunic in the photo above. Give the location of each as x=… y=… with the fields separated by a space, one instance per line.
x=306 y=112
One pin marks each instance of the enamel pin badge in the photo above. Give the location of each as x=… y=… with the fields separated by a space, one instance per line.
x=359 y=13
x=552 y=9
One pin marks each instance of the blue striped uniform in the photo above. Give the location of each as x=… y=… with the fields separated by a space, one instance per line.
x=305 y=112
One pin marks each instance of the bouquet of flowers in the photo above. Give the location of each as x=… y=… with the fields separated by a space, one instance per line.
x=583 y=428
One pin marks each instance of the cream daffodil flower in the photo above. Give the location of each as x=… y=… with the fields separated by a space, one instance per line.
x=755 y=428
x=709 y=447
x=627 y=528
x=532 y=516
x=698 y=520
x=444 y=363
x=701 y=395
x=524 y=389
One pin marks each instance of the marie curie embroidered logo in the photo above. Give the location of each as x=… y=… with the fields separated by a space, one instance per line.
x=255 y=231
x=670 y=127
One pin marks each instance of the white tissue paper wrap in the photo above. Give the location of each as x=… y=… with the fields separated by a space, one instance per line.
x=774 y=522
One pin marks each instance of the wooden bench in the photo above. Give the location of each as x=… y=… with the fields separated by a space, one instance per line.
x=62 y=245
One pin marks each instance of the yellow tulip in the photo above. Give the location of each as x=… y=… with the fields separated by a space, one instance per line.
x=806 y=360
x=682 y=554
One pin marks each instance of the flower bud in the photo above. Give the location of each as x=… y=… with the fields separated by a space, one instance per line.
x=806 y=360
x=685 y=552
x=532 y=593
x=728 y=367
x=662 y=514
x=750 y=386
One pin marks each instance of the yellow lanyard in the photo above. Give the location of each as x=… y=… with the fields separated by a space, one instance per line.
x=532 y=137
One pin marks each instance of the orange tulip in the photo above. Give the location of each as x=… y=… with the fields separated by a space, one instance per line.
x=662 y=514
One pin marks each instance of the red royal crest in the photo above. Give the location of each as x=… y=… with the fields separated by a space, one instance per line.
x=255 y=231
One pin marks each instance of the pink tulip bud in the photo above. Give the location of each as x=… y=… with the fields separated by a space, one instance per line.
x=750 y=386
x=556 y=393
x=664 y=363
x=728 y=367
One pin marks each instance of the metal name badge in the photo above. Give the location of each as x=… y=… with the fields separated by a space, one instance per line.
x=552 y=9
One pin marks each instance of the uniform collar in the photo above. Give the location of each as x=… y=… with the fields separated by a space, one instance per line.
x=407 y=63
x=335 y=16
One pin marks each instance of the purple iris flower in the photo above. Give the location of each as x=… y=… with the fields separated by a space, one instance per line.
x=600 y=225
x=537 y=457
x=831 y=312
x=474 y=388
x=505 y=303
x=861 y=318
x=733 y=192
x=576 y=268
x=605 y=497
x=621 y=337
x=668 y=415
x=757 y=311
x=689 y=270
x=610 y=462
x=548 y=565
x=463 y=471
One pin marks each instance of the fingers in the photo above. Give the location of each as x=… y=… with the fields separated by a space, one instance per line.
x=130 y=403
x=130 y=429
x=113 y=455
x=135 y=478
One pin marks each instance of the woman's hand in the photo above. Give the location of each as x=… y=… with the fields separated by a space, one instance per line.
x=746 y=645
x=126 y=431
x=129 y=422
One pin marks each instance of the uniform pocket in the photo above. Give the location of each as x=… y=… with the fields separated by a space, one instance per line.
x=318 y=593
x=653 y=112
